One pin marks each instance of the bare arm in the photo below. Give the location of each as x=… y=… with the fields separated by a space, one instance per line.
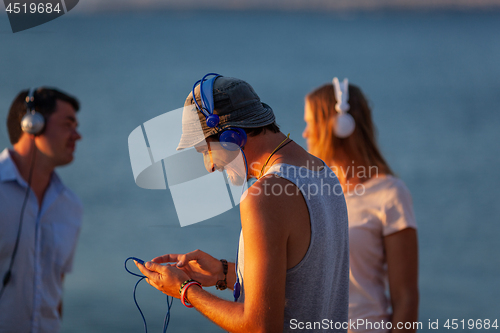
x=265 y=221
x=402 y=265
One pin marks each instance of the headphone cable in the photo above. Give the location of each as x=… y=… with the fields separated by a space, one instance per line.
x=170 y=300
x=8 y=274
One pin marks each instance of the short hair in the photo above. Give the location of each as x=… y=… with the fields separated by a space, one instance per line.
x=45 y=103
x=254 y=131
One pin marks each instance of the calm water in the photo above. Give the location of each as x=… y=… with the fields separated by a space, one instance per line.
x=433 y=80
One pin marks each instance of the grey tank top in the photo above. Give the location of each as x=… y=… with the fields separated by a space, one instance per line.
x=317 y=288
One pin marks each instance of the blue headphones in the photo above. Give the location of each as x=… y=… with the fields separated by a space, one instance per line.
x=33 y=122
x=232 y=138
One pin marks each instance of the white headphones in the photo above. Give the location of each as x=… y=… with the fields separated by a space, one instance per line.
x=32 y=122
x=345 y=124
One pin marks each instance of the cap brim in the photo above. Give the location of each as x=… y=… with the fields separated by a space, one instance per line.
x=192 y=131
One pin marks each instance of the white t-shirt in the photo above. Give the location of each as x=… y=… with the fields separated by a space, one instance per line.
x=384 y=208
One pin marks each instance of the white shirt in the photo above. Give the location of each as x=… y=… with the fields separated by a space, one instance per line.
x=46 y=248
x=384 y=208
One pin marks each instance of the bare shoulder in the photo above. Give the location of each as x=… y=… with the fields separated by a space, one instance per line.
x=275 y=200
x=272 y=191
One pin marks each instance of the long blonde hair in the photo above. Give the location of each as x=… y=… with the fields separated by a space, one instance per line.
x=360 y=148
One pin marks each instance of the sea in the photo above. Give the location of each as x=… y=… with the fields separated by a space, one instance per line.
x=433 y=82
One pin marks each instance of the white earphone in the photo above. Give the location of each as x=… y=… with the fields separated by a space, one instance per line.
x=344 y=126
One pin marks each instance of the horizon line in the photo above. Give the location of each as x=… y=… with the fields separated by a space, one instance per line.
x=338 y=6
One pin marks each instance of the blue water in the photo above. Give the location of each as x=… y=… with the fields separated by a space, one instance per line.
x=433 y=80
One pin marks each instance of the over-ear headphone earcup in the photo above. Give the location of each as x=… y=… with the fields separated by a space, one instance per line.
x=233 y=139
x=32 y=123
x=344 y=125
x=242 y=135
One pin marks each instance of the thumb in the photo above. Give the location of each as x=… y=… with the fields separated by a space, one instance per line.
x=184 y=259
x=152 y=266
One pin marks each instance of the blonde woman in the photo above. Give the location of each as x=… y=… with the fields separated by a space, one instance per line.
x=383 y=288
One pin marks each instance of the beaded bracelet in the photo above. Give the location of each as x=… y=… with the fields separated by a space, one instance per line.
x=222 y=284
x=183 y=284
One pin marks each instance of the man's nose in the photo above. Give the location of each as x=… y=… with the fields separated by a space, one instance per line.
x=76 y=135
x=209 y=164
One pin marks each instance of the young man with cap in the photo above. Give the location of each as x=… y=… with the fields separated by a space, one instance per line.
x=40 y=217
x=292 y=266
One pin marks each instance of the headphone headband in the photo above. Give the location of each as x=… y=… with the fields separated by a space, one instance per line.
x=207 y=100
x=344 y=125
x=33 y=122
x=341 y=91
x=231 y=138
x=30 y=100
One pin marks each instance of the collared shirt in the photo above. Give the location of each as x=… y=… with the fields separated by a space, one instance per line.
x=47 y=244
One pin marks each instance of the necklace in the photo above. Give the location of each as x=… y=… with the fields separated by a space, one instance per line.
x=281 y=145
